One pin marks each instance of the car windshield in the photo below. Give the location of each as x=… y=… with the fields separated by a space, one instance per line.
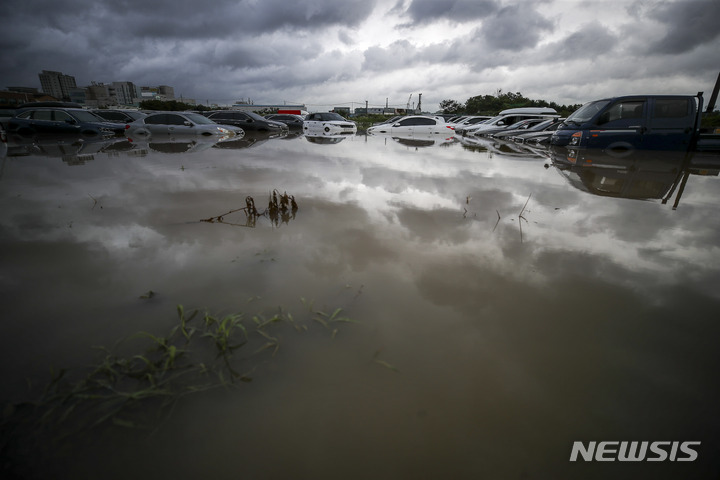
x=587 y=112
x=330 y=116
x=494 y=120
x=85 y=116
x=198 y=119
x=255 y=116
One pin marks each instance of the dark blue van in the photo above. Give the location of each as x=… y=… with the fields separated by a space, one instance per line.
x=638 y=122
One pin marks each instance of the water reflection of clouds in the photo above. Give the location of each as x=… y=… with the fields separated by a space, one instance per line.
x=559 y=330
x=450 y=198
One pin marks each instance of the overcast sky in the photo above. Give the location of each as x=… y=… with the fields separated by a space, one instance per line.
x=326 y=53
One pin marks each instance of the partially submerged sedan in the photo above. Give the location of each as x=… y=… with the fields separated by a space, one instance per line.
x=247 y=121
x=180 y=123
x=328 y=123
x=49 y=120
x=414 y=125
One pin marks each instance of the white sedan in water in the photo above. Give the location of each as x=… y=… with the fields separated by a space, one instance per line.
x=414 y=125
x=180 y=123
x=328 y=123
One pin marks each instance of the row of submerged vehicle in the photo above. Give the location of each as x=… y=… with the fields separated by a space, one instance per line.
x=68 y=118
x=618 y=125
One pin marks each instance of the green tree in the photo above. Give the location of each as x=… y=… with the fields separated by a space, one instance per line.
x=451 y=106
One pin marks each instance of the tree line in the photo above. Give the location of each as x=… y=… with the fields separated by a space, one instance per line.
x=492 y=104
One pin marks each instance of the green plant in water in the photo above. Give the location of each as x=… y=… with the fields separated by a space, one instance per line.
x=129 y=390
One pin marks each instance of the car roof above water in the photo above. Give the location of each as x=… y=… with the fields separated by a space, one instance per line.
x=530 y=111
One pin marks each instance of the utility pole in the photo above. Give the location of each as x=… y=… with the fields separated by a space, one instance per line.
x=419 y=102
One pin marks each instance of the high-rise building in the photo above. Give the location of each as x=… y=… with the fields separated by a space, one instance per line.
x=99 y=94
x=166 y=91
x=126 y=93
x=56 y=84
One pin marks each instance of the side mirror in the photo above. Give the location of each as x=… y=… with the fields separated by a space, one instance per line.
x=187 y=123
x=70 y=121
x=249 y=120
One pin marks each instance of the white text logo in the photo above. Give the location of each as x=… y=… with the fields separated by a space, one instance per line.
x=635 y=451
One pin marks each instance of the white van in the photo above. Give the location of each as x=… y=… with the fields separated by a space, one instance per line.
x=509 y=117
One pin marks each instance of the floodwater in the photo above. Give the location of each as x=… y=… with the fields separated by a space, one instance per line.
x=496 y=307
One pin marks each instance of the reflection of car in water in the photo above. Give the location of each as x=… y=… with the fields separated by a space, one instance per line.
x=500 y=147
x=174 y=144
x=642 y=175
x=72 y=149
x=419 y=140
x=250 y=139
x=325 y=139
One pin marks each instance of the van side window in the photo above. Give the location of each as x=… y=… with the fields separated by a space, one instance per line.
x=622 y=111
x=671 y=108
x=43 y=115
x=60 y=116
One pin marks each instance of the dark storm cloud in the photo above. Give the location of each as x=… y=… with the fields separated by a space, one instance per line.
x=592 y=37
x=515 y=27
x=404 y=54
x=428 y=11
x=182 y=20
x=397 y=55
x=688 y=24
x=164 y=41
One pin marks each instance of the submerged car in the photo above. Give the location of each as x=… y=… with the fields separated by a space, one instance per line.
x=293 y=122
x=623 y=124
x=247 y=121
x=472 y=120
x=389 y=120
x=329 y=123
x=180 y=123
x=526 y=126
x=119 y=116
x=413 y=125
x=49 y=120
x=507 y=118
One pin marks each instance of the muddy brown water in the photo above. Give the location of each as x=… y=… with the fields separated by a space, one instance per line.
x=503 y=307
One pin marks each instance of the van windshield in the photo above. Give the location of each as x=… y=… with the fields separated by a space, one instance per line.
x=586 y=112
x=494 y=120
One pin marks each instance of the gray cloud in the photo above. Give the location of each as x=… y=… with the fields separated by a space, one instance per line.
x=592 y=37
x=688 y=24
x=515 y=27
x=321 y=49
x=428 y=11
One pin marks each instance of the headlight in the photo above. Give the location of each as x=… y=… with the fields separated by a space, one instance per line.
x=224 y=131
x=575 y=138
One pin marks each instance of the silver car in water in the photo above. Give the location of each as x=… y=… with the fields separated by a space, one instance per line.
x=180 y=123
